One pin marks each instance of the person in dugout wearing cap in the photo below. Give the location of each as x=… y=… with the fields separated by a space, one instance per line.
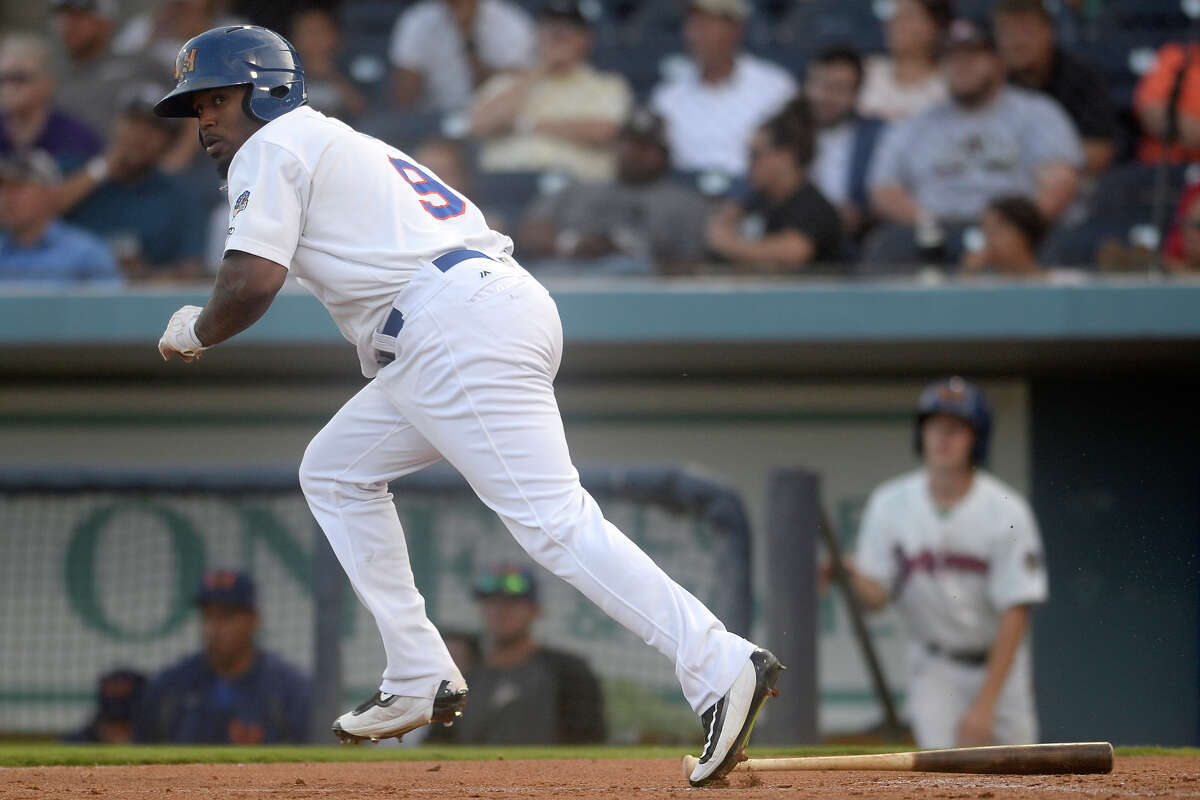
x=117 y=694
x=231 y=692
x=522 y=692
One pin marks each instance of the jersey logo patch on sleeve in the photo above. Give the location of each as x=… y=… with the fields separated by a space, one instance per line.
x=242 y=201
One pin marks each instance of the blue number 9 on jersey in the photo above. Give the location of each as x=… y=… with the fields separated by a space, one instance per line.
x=444 y=204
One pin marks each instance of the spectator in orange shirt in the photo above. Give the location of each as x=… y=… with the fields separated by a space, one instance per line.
x=1153 y=97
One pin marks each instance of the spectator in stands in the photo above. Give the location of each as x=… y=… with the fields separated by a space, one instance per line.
x=315 y=35
x=1182 y=252
x=232 y=692
x=845 y=140
x=151 y=221
x=907 y=81
x=1176 y=73
x=562 y=115
x=934 y=174
x=713 y=106
x=117 y=695
x=1026 y=37
x=522 y=692
x=28 y=118
x=442 y=50
x=35 y=247
x=644 y=221
x=786 y=224
x=94 y=75
x=160 y=31
x=1012 y=230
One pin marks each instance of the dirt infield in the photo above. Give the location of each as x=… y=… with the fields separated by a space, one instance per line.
x=598 y=778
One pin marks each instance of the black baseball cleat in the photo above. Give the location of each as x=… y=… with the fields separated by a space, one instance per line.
x=386 y=715
x=727 y=723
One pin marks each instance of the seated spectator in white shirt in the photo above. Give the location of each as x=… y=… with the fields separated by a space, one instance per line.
x=785 y=225
x=907 y=80
x=936 y=172
x=845 y=140
x=562 y=115
x=714 y=104
x=442 y=50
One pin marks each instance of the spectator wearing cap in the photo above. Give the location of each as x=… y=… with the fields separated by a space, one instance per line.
x=845 y=139
x=232 y=692
x=934 y=174
x=152 y=223
x=28 y=117
x=643 y=222
x=1025 y=35
x=523 y=693
x=907 y=80
x=94 y=76
x=1012 y=229
x=117 y=695
x=35 y=246
x=714 y=104
x=315 y=35
x=443 y=50
x=786 y=224
x=1174 y=77
x=562 y=115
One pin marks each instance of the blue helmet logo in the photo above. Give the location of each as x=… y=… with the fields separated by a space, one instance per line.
x=244 y=55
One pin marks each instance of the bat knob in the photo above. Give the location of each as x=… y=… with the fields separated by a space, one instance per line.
x=689 y=765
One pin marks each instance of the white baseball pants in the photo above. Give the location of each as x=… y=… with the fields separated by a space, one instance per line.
x=472 y=382
x=941 y=690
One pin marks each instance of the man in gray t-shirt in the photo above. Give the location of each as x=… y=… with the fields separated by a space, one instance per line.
x=939 y=169
x=643 y=222
x=93 y=78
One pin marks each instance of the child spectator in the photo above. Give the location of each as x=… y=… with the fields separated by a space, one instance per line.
x=1012 y=230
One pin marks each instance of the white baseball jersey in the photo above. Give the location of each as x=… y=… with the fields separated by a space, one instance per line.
x=952 y=574
x=352 y=217
x=470 y=358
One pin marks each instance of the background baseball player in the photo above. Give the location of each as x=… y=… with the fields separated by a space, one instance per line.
x=462 y=345
x=959 y=555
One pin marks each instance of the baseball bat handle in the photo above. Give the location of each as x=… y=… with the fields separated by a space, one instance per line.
x=1076 y=758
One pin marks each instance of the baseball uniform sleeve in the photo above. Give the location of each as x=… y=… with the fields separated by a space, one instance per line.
x=268 y=196
x=1018 y=572
x=873 y=553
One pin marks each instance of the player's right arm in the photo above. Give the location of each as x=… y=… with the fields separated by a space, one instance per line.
x=246 y=286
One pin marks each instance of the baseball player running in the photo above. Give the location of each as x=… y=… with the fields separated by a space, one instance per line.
x=462 y=345
x=959 y=554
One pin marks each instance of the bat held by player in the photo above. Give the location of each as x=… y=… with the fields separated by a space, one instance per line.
x=1076 y=758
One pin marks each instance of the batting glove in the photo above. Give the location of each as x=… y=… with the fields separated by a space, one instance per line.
x=180 y=335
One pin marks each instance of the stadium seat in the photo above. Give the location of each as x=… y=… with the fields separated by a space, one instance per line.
x=820 y=23
x=510 y=193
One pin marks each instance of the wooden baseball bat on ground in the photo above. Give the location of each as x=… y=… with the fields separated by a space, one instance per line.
x=1079 y=758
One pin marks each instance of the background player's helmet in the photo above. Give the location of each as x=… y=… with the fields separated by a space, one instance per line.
x=962 y=399
x=244 y=55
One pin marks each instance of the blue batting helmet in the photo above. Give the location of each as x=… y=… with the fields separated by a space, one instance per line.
x=962 y=399
x=243 y=55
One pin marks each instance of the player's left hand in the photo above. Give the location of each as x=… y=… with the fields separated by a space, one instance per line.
x=180 y=336
x=977 y=726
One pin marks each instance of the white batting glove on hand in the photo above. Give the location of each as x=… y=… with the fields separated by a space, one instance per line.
x=180 y=336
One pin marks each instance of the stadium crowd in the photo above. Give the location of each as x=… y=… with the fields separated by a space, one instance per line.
x=826 y=137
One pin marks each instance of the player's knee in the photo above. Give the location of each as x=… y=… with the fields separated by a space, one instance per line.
x=314 y=473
